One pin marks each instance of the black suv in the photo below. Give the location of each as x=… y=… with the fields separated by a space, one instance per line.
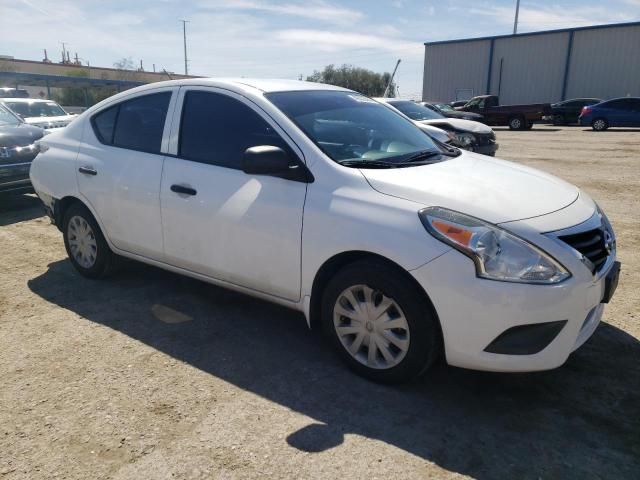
x=17 y=150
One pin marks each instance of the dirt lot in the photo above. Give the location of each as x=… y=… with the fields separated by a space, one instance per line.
x=150 y=375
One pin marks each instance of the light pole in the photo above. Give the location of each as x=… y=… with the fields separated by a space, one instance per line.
x=184 y=37
x=515 y=21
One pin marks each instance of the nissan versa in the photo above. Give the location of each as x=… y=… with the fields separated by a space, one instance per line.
x=320 y=199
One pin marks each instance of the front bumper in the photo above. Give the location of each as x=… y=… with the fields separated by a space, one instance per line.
x=473 y=312
x=490 y=149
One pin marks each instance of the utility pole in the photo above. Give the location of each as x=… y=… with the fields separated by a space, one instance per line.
x=515 y=21
x=184 y=37
x=386 y=90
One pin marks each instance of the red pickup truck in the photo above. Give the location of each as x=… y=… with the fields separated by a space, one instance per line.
x=517 y=117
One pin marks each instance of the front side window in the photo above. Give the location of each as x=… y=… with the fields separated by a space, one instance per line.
x=349 y=126
x=415 y=111
x=217 y=129
x=135 y=124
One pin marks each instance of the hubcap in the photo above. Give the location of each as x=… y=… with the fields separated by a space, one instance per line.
x=599 y=124
x=82 y=242
x=371 y=327
x=515 y=123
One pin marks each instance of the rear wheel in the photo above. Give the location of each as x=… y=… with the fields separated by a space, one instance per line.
x=86 y=246
x=529 y=125
x=380 y=322
x=516 y=123
x=599 y=124
x=559 y=120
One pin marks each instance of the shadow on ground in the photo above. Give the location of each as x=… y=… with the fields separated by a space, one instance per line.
x=19 y=208
x=580 y=421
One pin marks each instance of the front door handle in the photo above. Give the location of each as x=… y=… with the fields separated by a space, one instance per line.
x=88 y=170
x=184 y=190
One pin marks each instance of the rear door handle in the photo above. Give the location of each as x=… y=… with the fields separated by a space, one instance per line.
x=184 y=190
x=88 y=170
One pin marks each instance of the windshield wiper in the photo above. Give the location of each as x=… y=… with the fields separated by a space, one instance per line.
x=362 y=163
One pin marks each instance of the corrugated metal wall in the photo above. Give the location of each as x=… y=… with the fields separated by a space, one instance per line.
x=604 y=62
x=444 y=75
x=531 y=77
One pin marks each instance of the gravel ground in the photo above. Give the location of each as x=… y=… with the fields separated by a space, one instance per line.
x=150 y=375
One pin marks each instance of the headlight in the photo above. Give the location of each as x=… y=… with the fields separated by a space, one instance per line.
x=497 y=254
x=464 y=139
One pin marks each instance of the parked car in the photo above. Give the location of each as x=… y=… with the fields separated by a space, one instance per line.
x=517 y=117
x=322 y=200
x=567 y=112
x=459 y=103
x=17 y=149
x=41 y=113
x=619 y=112
x=473 y=136
x=10 y=92
x=450 y=112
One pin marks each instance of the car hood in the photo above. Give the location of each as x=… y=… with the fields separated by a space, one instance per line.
x=50 y=120
x=459 y=124
x=494 y=190
x=19 y=135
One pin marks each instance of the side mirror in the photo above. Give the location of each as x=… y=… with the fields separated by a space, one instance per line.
x=275 y=162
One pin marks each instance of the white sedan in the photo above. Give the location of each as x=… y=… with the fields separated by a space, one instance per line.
x=45 y=114
x=321 y=199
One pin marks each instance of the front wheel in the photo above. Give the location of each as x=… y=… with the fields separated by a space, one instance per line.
x=86 y=246
x=380 y=322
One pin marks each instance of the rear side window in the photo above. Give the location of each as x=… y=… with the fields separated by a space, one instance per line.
x=135 y=124
x=621 y=103
x=217 y=129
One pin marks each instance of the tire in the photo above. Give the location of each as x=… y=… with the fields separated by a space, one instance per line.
x=559 y=120
x=529 y=126
x=402 y=351
x=86 y=247
x=599 y=124
x=516 y=123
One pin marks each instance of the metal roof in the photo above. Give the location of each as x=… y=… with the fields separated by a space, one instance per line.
x=542 y=32
x=60 y=81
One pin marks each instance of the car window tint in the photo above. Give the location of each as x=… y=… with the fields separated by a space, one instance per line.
x=621 y=103
x=140 y=122
x=136 y=124
x=217 y=129
x=104 y=123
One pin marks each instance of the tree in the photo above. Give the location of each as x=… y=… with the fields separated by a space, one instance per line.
x=76 y=96
x=127 y=69
x=359 y=79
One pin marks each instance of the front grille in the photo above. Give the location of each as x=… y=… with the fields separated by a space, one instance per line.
x=591 y=244
x=483 y=139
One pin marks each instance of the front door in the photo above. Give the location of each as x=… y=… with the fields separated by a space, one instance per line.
x=218 y=220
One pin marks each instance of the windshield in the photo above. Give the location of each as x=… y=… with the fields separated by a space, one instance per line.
x=445 y=107
x=8 y=118
x=37 y=109
x=415 y=111
x=350 y=126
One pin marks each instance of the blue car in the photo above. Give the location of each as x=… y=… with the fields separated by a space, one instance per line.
x=619 y=112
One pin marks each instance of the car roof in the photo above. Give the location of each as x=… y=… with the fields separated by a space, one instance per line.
x=267 y=85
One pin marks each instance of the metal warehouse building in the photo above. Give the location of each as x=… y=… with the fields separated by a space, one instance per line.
x=600 y=61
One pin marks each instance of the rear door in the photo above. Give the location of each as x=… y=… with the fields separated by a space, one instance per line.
x=634 y=121
x=618 y=112
x=119 y=168
x=216 y=219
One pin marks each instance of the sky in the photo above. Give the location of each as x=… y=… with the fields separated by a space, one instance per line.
x=278 y=39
